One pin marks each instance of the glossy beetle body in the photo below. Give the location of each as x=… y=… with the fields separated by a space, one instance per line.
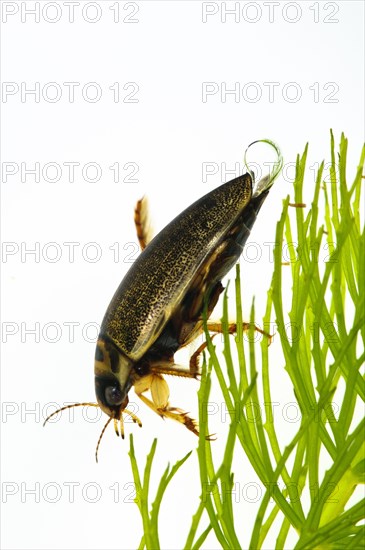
x=158 y=307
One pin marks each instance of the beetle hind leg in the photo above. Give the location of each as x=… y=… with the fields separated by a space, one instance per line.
x=217 y=328
x=143 y=223
x=194 y=363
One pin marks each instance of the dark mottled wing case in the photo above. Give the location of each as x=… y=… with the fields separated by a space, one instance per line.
x=160 y=277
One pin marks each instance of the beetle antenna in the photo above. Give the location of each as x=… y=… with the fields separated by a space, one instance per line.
x=69 y=407
x=101 y=436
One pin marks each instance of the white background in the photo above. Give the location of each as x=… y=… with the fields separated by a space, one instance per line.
x=165 y=51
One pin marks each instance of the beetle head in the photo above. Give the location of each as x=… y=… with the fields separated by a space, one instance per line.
x=113 y=381
x=112 y=378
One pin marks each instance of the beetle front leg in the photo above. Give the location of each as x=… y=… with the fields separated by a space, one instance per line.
x=160 y=400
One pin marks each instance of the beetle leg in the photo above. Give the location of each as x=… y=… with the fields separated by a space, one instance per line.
x=217 y=328
x=160 y=400
x=172 y=369
x=194 y=367
x=142 y=223
x=167 y=366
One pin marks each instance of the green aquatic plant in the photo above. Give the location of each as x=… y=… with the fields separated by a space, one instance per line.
x=309 y=479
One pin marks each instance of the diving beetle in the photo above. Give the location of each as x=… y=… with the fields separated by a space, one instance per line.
x=158 y=307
